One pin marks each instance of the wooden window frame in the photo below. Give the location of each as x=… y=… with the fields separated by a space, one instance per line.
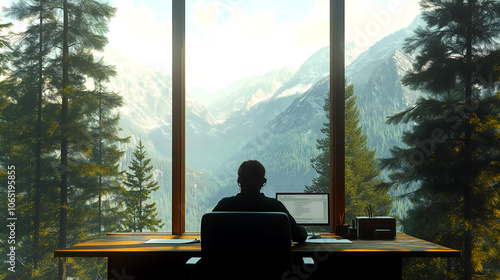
x=337 y=123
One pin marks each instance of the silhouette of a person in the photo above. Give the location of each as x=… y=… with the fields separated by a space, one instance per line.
x=251 y=178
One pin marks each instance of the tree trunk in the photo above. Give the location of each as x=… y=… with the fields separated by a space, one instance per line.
x=38 y=152
x=99 y=218
x=469 y=182
x=64 y=144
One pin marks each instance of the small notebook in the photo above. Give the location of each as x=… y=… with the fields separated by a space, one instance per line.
x=173 y=241
x=329 y=240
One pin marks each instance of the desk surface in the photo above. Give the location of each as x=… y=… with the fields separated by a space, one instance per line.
x=119 y=244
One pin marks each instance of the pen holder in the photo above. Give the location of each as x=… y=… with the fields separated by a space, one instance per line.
x=341 y=230
x=352 y=233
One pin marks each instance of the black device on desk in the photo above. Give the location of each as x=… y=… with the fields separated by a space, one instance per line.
x=370 y=227
x=308 y=209
x=376 y=227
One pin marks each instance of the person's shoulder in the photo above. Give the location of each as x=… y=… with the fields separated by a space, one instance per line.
x=226 y=199
x=273 y=201
x=225 y=202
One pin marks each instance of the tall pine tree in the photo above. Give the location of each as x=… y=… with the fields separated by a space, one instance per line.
x=27 y=142
x=49 y=131
x=361 y=167
x=110 y=193
x=141 y=213
x=452 y=151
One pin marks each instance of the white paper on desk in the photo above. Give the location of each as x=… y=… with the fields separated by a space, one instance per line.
x=173 y=241
x=329 y=240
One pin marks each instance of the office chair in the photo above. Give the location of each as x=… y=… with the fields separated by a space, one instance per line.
x=244 y=245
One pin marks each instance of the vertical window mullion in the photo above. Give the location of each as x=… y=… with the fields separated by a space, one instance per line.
x=178 y=115
x=337 y=111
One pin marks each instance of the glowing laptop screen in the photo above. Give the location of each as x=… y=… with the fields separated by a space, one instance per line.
x=307 y=208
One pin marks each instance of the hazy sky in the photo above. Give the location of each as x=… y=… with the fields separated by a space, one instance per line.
x=227 y=40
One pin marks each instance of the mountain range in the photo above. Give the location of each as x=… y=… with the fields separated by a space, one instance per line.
x=274 y=117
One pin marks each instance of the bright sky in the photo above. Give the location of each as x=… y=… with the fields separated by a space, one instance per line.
x=227 y=40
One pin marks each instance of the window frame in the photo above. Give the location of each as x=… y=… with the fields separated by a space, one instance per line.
x=337 y=122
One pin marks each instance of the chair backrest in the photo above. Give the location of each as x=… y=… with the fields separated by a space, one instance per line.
x=247 y=242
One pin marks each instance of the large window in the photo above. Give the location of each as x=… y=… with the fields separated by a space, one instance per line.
x=246 y=64
x=241 y=103
x=239 y=50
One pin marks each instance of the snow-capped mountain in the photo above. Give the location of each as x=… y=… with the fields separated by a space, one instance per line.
x=245 y=124
x=147 y=97
x=241 y=96
x=147 y=106
x=376 y=75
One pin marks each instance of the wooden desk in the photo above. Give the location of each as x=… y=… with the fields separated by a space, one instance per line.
x=128 y=255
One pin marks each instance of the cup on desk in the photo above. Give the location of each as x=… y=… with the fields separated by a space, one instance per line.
x=352 y=233
x=341 y=230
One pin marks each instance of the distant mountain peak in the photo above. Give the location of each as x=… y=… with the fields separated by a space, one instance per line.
x=242 y=95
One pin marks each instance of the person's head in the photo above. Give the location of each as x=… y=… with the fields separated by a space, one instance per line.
x=251 y=175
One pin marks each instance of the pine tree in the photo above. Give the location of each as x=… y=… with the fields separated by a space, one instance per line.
x=106 y=156
x=84 y=24
x=38 y=148
x=65 y=90
x=84 y=28
x=140 y=183
x=26 y=143
x=361 y=168
x=452 y=151
x=51 y=65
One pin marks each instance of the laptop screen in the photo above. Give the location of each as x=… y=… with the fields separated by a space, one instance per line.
x=307 y=208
